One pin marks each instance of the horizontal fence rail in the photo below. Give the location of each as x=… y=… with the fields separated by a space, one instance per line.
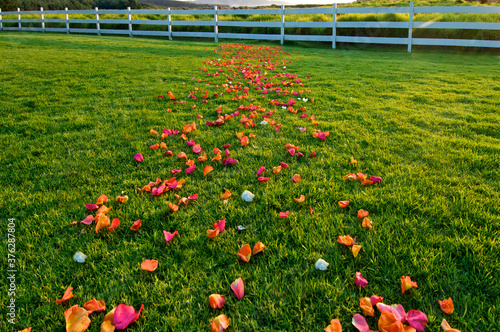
x=215 y=18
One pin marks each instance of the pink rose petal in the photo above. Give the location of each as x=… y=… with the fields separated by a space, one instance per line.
x=91 y=207
x=190 y=169
x=417 y=319
x=284 y=214
x=359 y=280
x=169 y=236
x=88 y=220
x=125 y=315
x=238 y=288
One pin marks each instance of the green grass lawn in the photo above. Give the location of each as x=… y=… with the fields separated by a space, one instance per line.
x=76 y=109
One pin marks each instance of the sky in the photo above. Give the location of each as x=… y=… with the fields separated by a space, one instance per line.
x=249 y=3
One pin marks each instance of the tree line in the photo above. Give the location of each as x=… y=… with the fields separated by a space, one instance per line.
x=12 y=5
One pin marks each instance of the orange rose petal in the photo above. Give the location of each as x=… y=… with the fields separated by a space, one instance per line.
x=334 y=326
x=276 y=169
x=115 y=223
x=67 y=295
x=149 y=265
x=345 y=240
x=216 y=301
x=220 y=323
x=258 y=247
x=102 y=222
x=101 y=199
x=163 y=145
x=226 y=195
x=367 y=223
x=95 y=306
x=446 y=327
x=367 y=306
x=154 y=146
x=353 y=161
x=211 y=233
x=203 y=158
x=190 y=162
x=136 y=225
x=153 y=132
x=447 y=306
x=77 y=319
x=245 y=253
x=173 y=207
x=244 y=141
x=362 y=213
x=301 y=199
x=355 y=249
x=122 y=199
x=406 y=284
x=296 y=178
x=343 y=204
x=361 y=176
x=207 y=169
x=217 y=157
x=351 y=176
x=182 y=155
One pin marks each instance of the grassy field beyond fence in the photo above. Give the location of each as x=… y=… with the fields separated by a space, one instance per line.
x=76 y=109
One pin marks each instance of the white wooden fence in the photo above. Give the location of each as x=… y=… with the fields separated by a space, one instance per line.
x=280 y=13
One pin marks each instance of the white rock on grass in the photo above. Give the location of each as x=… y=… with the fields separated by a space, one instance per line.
x=321 y=264
x=247 y=196
x=79 y=257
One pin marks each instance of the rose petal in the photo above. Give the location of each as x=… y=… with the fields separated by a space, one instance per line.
x=238 y=288
x=138 y=157
x=77 y=319
x=359 y=280
x=417 y=319
x=260 y=170
x=447 y=306
x=136 y=225
x=67 y=295
x=219 y=323
x=360 y=323
x=216 y=301
x=95 y=306
x=284 y=214
x=334 y=326
x=245 y=253
x=226 y=195
x=343 y=204
x=149 y=265
x=91 y=207
x=88 y=220
x=169 y=236
x=125 y=315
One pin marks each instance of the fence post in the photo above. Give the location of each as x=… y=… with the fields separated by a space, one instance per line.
x=129 y=22
x=66 y=16
x=334 y=28
x=1 y=24
x=19 y=18
x=97 y=25
x=410 y=27
x=169 y=24
x=216 y=25
x=282 y=24
x=42 y=17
